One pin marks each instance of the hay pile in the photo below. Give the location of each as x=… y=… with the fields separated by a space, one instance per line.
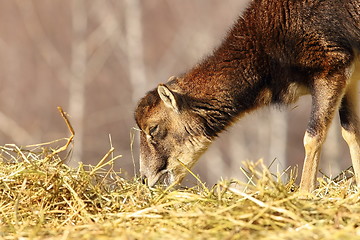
x=42 y=198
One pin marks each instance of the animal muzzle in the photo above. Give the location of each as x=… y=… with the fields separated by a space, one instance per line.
x=163 y=177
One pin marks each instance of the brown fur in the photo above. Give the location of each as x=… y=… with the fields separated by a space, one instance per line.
x=277 y=51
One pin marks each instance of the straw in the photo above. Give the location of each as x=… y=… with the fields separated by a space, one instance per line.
x=42 y=198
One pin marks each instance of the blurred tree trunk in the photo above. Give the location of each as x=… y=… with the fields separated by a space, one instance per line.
x=77 y=81
x=135 y=51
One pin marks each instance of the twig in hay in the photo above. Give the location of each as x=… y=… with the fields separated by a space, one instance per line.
x=102 y=162
x=265 y=205
x=44 y=143
x=196 y=177
x=71 y=129
x=132 y=139
x=79 y=200
x=16 y=212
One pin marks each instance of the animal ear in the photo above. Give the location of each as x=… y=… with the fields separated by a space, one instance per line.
x=168 y=97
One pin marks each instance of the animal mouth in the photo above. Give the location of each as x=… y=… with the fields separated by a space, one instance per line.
x=163 y=177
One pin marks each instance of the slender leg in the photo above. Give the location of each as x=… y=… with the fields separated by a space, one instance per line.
x=312 y=146
x=326 y=98
x=350 y=127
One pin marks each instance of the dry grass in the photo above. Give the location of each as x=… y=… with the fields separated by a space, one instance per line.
x=42 y=198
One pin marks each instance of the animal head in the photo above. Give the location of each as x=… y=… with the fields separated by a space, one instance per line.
x=171 y=136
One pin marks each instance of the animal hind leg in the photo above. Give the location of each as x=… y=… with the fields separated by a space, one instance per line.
x=326 y=98
x=350 y=127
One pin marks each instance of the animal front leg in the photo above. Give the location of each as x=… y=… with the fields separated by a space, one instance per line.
x=326 y=97
x=312 y=146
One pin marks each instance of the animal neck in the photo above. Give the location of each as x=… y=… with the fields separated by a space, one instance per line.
x=229 y=83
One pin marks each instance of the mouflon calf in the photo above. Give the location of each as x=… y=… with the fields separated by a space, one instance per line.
x=277 y=51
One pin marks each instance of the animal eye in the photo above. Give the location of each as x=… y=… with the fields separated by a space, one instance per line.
x=153 y=130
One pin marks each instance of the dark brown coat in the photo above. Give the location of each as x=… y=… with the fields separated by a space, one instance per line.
x=277 y=51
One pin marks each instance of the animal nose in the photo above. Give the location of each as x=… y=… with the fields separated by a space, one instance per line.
x=143 y=179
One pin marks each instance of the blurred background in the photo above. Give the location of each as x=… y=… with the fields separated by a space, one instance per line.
x=97 y=58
